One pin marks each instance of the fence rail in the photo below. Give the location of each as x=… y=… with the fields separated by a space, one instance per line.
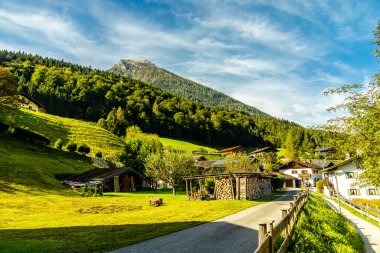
x=284 y=229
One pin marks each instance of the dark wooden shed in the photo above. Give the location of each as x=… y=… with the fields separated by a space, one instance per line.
x=123 y=179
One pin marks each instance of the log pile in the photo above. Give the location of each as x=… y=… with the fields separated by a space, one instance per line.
x=224 y=189
x=258 y=187
x=199 y=195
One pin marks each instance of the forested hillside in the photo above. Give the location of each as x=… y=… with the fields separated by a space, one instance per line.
x=116 y=102
x=147 y=72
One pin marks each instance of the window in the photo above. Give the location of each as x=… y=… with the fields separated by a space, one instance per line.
x=354 y=192
x=371 y=192
x=294 y=172
x=304 y=172
x=350 y=175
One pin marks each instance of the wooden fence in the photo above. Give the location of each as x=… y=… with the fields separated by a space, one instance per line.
x=284 y=229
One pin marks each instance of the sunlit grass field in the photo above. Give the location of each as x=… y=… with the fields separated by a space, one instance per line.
x=38 y=214
x=184 y=145
x=54 y=223
x=80 y=132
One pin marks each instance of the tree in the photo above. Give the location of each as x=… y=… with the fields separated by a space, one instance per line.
x=358 y=133
x=84 y=149
x=8 y=85
x=239 y=162
x=170 y=167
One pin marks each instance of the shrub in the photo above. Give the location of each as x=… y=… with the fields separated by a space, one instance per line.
x=278 y=181
x=84 y=149
x=319 y=185
x=71 y=146
x=91 y=191
x=209 y=186
x=99 y=154
x=58 y=144
x=30 y=136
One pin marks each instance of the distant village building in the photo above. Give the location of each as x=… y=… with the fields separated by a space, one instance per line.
x=228 y=151
x=342 y=177
x=29 y=103
x=262 y=151
x=290 y=181
x=308 y=173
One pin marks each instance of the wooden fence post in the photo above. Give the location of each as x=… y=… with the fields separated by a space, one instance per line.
x=271 y=236
x=262 y=232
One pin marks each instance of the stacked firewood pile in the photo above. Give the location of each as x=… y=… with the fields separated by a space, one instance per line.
x=199 y=195
x=258 y=187
x=223 y=189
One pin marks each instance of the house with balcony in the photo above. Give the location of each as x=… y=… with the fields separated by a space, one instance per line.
x=307 y=173
x=343 y=178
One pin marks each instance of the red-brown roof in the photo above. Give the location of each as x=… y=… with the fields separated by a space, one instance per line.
x=232 y=149
x=307 y=165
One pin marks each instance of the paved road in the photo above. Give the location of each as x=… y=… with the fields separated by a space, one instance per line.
x=234 y=233
x=369 y=233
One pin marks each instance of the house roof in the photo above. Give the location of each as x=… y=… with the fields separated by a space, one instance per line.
x=204 y=164
x=286 y=176
x=324 y=164
x=336 y=166
x=33 y=100
x=307 y=165
x=231 y=149
x=218 y=163
x=324 y=149
x=260 y=150
x=199 y=158
x=101 y=174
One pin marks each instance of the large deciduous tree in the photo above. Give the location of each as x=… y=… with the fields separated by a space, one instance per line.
x=170 y=167
x=359 y=131
x=8 y=84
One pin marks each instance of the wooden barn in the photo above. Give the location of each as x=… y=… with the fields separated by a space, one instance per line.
x=228 y=186
x=228 y=151
x=122 y=179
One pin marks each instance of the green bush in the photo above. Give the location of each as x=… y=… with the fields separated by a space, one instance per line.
x=58 y=144
x=31 y=136
x=99 y=154
x=91 y=191
x=319 y=185
x=209 y=186
x=71 y=146
x=84 y=149
x=278 y=181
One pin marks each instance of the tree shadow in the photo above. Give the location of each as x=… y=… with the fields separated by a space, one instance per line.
x=211 y=237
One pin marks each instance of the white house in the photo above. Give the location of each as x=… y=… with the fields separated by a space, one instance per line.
x=308 y=173
x=29 y=103
x=342 y=177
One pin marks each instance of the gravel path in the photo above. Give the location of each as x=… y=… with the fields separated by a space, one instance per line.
x=234 y=233
x=369 y=233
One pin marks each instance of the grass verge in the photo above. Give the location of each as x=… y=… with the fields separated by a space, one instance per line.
x=184 y=145
x=321 y=229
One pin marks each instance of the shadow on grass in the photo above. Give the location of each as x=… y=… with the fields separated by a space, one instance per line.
x=218 y=237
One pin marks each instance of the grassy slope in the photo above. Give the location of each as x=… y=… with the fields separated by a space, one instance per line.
x=67 y=129
x=184 y=145
x=321 y=229
x=27 y=167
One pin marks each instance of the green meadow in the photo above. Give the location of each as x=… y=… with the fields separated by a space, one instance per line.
x=185 y=145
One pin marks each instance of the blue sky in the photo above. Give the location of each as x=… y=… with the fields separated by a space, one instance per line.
x=278 y=56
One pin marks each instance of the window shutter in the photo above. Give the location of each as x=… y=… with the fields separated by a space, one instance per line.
x=377 y=191
x=346 y=175
x=358 y=192
x=355 y=175
x=367 y=190
x=349 y=192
